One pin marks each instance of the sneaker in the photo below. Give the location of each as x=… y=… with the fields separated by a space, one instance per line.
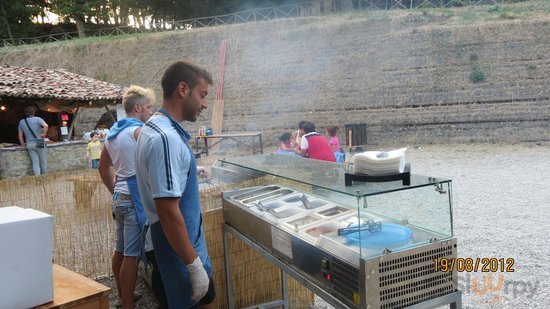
x=118 y=302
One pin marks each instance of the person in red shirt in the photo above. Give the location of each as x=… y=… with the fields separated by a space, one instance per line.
x=314 y=145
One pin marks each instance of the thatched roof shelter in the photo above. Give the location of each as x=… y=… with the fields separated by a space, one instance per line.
x=56 y=86
x=53 y=91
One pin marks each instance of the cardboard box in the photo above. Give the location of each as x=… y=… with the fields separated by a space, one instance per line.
x=26 y=278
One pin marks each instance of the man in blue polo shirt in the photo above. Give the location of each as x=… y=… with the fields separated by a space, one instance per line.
x=168 y=184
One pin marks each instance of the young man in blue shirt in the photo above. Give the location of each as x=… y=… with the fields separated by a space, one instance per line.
x=168 y=184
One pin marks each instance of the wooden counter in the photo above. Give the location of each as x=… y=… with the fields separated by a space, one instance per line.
x=72 y=290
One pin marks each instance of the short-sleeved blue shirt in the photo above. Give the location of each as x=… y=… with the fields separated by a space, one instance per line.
x=162 y=164
x=165 y=167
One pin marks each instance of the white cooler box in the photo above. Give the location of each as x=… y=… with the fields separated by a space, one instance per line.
x=26 y=276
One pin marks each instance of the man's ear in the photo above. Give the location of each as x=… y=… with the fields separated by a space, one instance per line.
x=183 y=89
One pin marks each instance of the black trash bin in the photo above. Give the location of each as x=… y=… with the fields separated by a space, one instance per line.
x=358 y=134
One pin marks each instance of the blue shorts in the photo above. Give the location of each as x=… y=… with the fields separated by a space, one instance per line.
x=127 y=228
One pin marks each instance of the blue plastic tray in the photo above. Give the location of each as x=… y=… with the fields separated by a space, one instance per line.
x=391 y=236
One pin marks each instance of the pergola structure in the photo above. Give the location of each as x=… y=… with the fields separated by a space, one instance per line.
x=52 y=90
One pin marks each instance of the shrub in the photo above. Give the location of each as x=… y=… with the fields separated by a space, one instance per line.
x=477 y=75
x=494 y=9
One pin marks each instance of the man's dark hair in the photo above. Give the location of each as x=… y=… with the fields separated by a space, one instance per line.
x=301 y=124
x=182 y=71
x=308 y=127
x=30 y=110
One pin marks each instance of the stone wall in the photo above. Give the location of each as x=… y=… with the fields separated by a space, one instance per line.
x=16 y=163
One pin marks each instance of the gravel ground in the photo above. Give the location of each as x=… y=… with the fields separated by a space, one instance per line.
x=146 y=301
x=500 y=205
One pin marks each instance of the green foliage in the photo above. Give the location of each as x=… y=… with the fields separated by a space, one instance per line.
x=19 y=14
x=74 y=8
x=502 y=12
x=494 y=9
x=474 y=57
x=460 y=3
x=16 y=16
x=531 y=67
x=477 y=75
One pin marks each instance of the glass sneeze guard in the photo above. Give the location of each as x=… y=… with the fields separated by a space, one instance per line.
x=323 y=174
x=423 y=208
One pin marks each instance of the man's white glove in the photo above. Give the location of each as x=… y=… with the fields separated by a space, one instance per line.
x=199 y=279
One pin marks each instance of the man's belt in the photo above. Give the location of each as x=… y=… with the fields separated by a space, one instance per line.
x=126 y=197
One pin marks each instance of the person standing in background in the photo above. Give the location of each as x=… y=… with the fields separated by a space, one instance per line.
x=93 y=150
x=119 y=151
x=33 y=130
x=168 y=183
x=334 y=143
x=333 y=140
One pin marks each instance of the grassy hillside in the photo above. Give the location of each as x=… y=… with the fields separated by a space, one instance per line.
x=472 y=74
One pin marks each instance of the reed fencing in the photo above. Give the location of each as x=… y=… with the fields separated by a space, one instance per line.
x=83 y=234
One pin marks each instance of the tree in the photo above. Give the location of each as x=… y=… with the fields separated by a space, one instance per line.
x=5 y=19
x=80 y=11
x=16 y=17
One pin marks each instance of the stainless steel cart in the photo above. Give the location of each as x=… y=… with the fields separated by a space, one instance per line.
x=368 y=245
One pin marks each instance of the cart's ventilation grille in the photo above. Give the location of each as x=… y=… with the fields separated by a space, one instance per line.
x=345 y=278
x=415 y=259
x=412 y=279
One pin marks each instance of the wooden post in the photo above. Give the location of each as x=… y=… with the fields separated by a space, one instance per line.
x=75 y=120
x=217 y=110
x=217 y=120
x=110 y=115
x=350 y=141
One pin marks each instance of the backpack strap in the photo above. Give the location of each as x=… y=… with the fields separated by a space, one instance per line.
x=30 y=129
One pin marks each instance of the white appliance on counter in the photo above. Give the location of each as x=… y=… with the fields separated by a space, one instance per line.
x=26 y=275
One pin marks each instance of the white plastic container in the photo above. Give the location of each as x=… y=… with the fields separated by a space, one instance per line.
x=26 y=278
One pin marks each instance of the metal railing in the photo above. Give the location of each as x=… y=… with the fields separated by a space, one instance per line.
x=419 y=4
x=310 y=8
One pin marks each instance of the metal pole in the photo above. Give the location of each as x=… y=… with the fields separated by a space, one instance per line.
x=261 y=144
x=285 y=289
x=228 y=280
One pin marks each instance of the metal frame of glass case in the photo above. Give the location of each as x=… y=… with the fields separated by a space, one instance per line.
x=368 y=245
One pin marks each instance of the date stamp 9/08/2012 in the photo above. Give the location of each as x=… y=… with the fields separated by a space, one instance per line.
x=485 y=265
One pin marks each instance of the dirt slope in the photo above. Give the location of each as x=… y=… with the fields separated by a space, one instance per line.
x=408 y=74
